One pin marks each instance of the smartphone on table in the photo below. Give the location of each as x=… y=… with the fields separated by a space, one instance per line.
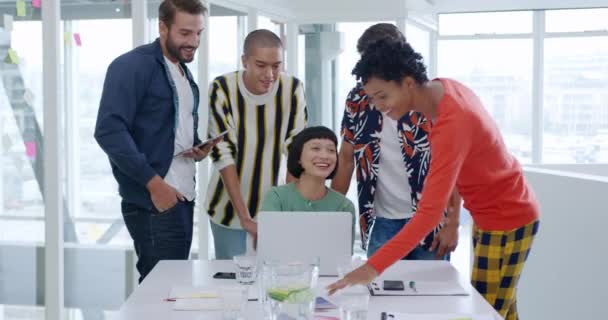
x=393 y=285
x=224 y=275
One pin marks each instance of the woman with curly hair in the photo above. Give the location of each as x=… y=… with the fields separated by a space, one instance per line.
x=467 y=151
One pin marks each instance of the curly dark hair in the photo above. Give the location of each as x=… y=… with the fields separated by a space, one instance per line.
x=390 y=60
x=377 y=32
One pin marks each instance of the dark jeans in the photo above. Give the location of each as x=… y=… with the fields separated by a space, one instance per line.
x=384 y=229
x=159 y=236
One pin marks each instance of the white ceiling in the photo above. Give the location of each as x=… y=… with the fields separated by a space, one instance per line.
x=320 y=11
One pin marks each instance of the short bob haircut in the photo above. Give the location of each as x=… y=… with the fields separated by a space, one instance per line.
x=295 y=149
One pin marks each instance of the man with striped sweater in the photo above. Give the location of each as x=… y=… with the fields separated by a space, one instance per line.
x=264 y=109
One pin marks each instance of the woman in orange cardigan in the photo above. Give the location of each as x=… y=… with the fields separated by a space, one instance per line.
x=467 y=151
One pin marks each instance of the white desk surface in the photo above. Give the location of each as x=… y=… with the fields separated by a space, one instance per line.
x=146 y=302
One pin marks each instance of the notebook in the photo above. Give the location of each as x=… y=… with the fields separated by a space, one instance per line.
x=434 y=316
x=420 y=288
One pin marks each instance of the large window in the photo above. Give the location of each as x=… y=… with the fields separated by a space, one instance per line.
x=485 y=23
x=345 y=81
x=91 y=205
x=95 y=248
x=22 y=211
x=579 y=20
x=225 y=52
x=419 y=38
x=497 y=60
x=103 y=41
x=575 y=110
x=501 y=78
x=21 y=114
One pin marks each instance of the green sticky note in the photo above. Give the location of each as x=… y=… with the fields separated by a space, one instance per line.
x=11 y=56
x=67 y=37
x=20 y=8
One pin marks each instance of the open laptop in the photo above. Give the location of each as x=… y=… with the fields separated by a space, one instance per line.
x=302 y=236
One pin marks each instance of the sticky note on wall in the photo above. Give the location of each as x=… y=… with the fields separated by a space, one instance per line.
x=77 y=39
x=36 y=3
x=8 y=23
x=20 y=8
x=30 y=149
x=67 y=37
x=11 y=56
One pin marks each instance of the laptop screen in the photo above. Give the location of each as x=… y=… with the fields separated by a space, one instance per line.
x=303 y=236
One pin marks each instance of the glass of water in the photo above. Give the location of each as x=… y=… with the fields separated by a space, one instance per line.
x=354 y=302
x=246 y=269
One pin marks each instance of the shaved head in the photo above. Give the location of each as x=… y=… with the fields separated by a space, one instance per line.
x=261 y=38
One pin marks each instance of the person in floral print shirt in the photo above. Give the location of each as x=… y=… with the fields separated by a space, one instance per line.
x=386 y=153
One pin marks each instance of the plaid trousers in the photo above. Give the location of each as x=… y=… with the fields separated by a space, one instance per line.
x=498 y=262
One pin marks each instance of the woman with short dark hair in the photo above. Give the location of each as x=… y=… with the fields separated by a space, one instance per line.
x=312 y=159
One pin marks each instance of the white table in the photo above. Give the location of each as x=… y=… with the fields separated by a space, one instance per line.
x=146 y=302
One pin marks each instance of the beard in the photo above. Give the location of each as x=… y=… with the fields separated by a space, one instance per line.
x=174 y=50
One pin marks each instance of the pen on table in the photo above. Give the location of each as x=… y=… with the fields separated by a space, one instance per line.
x=413 y=286
x=383 y=316
x=198 y=296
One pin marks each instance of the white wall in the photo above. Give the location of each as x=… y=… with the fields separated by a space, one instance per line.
x=565 y=277
x=592 y=169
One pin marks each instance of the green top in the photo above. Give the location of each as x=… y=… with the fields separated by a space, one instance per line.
x=288 y=198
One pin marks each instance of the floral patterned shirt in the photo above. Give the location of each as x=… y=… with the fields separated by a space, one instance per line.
x=361 y=127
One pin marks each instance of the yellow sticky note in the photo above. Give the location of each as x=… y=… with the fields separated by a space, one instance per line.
x=11 y=56
x=20 y=8
x=67 y=37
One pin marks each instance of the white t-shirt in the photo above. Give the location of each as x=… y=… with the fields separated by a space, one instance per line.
x=392 y=197
x=182 y=170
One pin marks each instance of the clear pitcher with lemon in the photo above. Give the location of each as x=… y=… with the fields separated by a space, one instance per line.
x=290 y=291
